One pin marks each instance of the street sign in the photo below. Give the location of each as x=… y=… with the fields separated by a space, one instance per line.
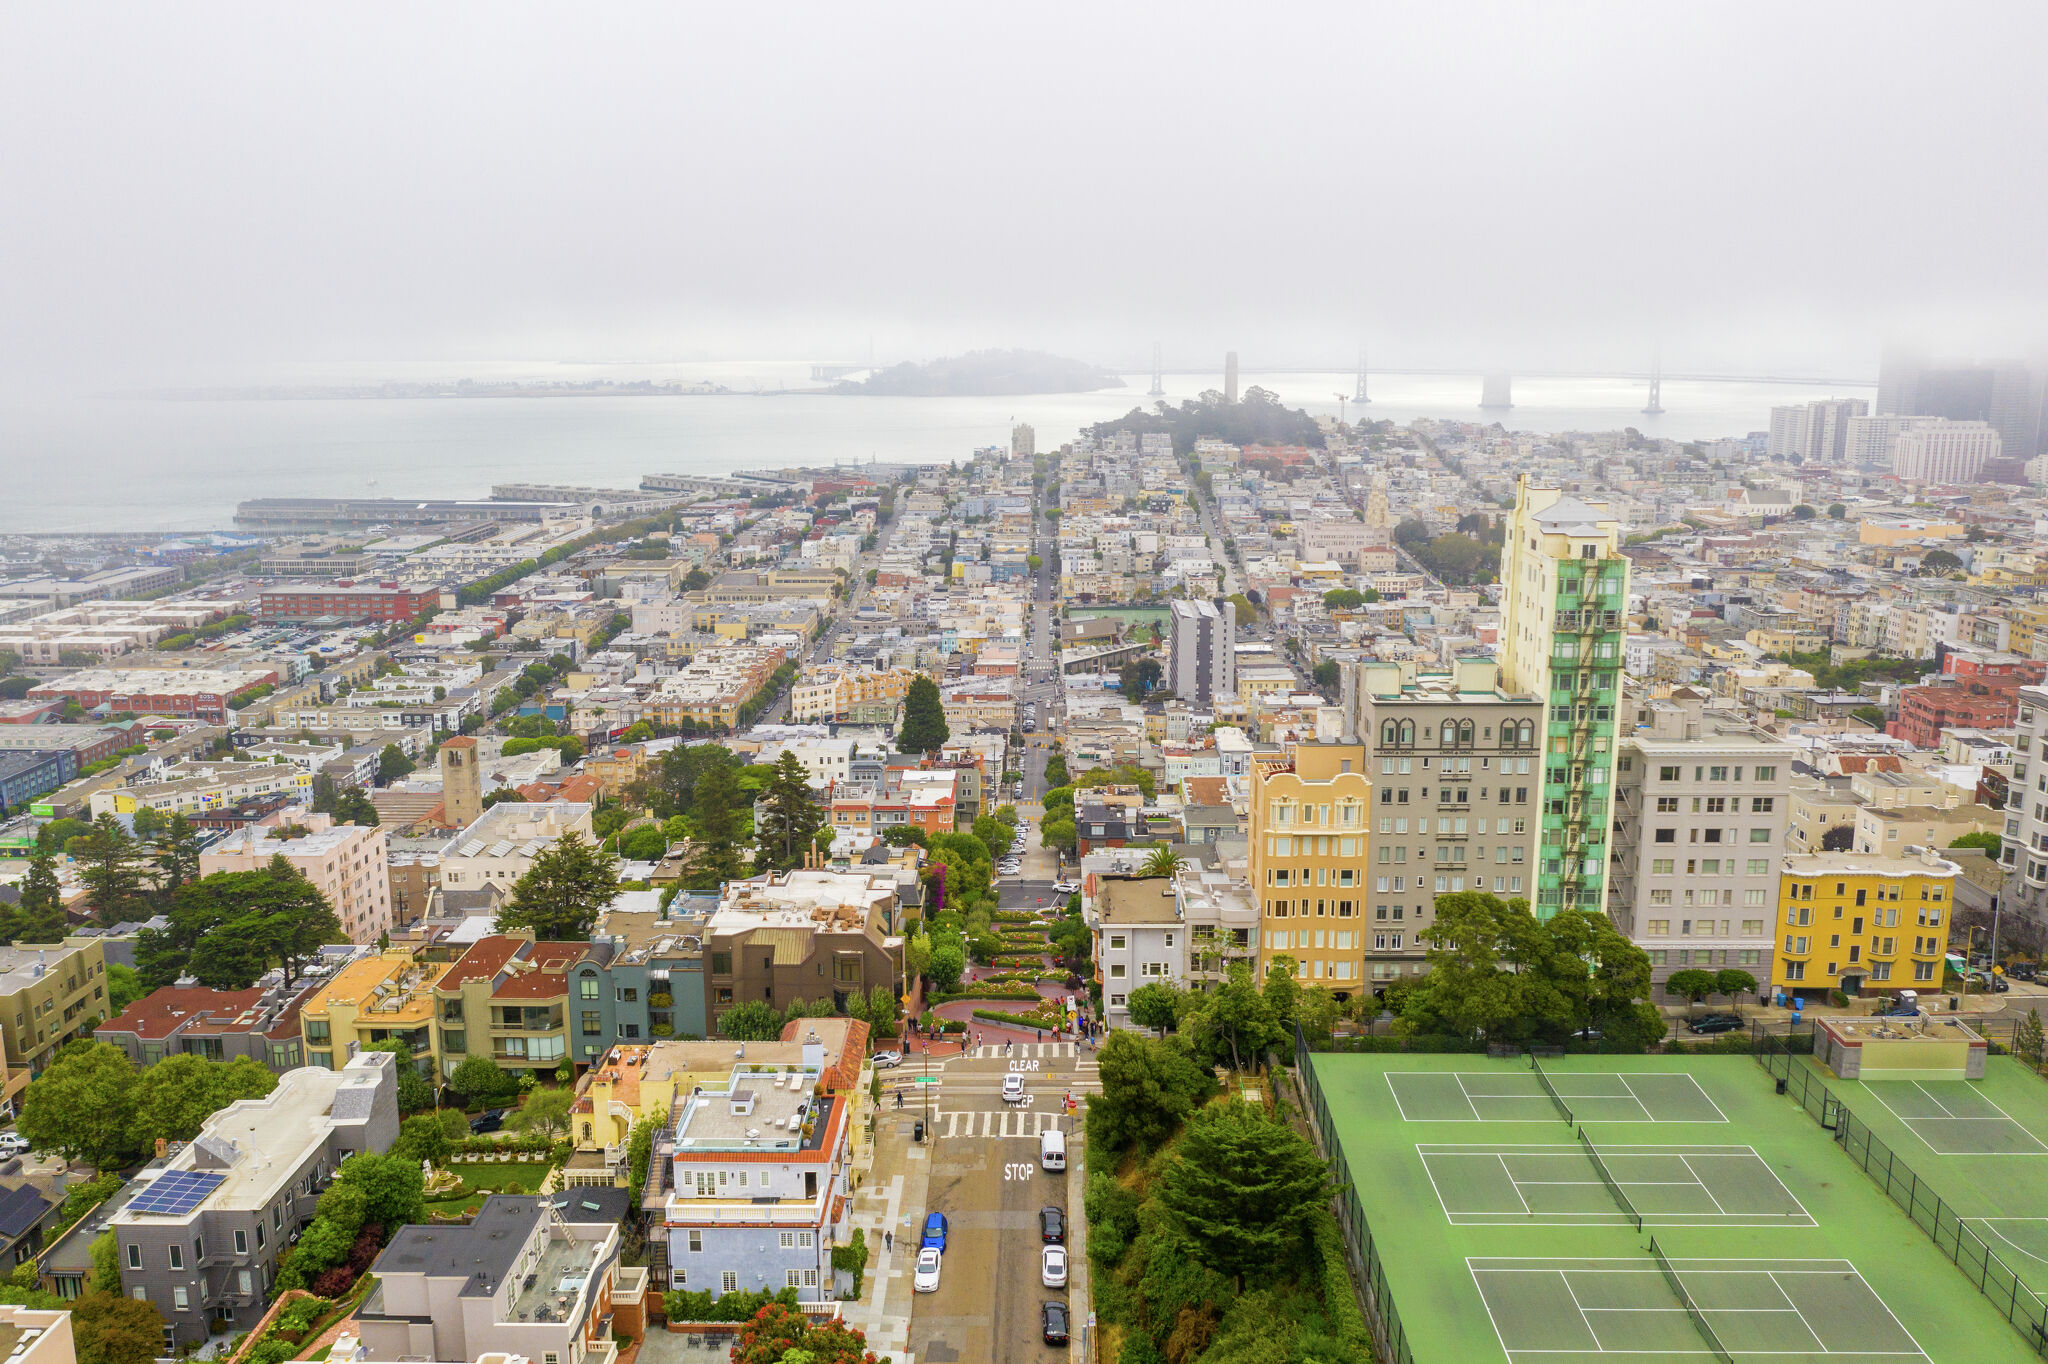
x=928 y=1079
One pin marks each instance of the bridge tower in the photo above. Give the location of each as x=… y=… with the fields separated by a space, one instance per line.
x=1656 y=403
x=1358 y=393
x=1158 y=389
x=1496 y=389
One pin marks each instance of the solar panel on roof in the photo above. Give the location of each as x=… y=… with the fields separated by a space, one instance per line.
x=176 y=1192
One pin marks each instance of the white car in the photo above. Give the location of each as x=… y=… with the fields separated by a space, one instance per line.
x=1065 y=887
x=13 y=1144
x=1052 y=1267
x=1013 y=1089
x=926 y=1279
x=885 y=1060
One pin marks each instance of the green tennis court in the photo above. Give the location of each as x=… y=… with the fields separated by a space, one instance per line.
x=1558 y=1185
x=1981 y=1146
x=1504 y=1243
x=1586 y=1311
x=1517 y=1095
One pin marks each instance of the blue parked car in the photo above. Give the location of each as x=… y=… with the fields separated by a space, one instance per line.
x=935 y=1232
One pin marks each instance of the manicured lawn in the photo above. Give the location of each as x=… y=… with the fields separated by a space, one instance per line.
x=488 y=1177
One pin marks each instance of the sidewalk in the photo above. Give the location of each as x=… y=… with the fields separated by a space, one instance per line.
x=893 y=1200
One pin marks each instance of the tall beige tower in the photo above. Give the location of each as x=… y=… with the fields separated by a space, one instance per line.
x=1230 y=376
x=462 y=784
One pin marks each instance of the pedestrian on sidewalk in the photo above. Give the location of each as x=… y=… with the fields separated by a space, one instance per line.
x=888 y=1240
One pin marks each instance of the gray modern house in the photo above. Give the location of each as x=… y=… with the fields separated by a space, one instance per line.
x=530 y=1275
x=201 y=1230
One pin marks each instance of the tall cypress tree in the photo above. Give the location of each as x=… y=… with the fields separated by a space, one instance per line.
x=924 y=719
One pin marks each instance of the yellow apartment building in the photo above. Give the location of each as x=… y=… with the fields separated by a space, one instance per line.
x=378 y=999
x=1856 y=921
x=1311 y=814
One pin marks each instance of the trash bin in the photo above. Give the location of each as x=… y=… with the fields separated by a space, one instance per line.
x=917 y=1132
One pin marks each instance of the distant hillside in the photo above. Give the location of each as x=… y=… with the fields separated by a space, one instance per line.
x=1259 y=419
x=984 y=373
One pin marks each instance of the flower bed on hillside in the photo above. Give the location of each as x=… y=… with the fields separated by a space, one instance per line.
x=1044 y=1017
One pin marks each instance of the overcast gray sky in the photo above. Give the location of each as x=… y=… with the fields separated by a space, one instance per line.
x=1762 y=186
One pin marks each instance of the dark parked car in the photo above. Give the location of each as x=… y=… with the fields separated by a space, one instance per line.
x=2021 y=970
x=1713 y=1023
x=935 y=1231
x=1052 y=1224
x=490 y=1120
x=1054 y=1315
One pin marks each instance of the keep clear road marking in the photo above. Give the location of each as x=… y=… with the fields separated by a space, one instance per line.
x=993 y=1051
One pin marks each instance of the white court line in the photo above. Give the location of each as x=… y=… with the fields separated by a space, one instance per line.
x=1682 y=1160
x=1395 y=1090
x=1989 y=1224
x=1806 y=1325
x=1598 y=1265
x=1912 y=1125
x=1515 y=1185
x=1934 y=1099
x=1719 y=1116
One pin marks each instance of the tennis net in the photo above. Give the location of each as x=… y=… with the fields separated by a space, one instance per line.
x=1692 y=1309
x=1551 y=1089
x=1606 y=1175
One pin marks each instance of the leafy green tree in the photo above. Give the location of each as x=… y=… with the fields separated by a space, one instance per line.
x=113 y=1328
x=647 y=843
x=111 y=870
x=1282 y=990
x=1234 y=1020
x=1241 y=1187
x=477 y=1080
x=1692 y=985
x=967 y=870
x=715 y=857
x=1991 y=843
x=393 y=1189
x=753 y=1021
x=106 y=1264
x=882 y=1011
x=1838 y=838
x=124 y=987
x=415 y=1091
x=38 y=917
x=1155 y=1005
x=778 y=1333
x=83 y=1106
x=229 y=927
x=790 y=818
x=392 y=764
x=174 y=1098
x=905 y=835
x=1316 y=1012
x=1137 y=678
x=949 y=963
x=174 y=853
x=674 y=789
x=1326 y=676
x=1343 y=598
x=1939 y=563
x=1149 y=1084
x=1836 y=511
x=544 y=1114
x=2027 y=1039
x=1732 y=982
x=563 y=891
x=995 y=835
x=924 y=718
x=422 y=1137
x=1056 y=770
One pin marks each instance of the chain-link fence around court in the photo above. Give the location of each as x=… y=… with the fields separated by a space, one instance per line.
x=2019 y=1304
x=1366 y=1268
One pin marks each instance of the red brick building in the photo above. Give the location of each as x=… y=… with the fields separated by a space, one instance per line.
x=1975 y=689
x=386 y=602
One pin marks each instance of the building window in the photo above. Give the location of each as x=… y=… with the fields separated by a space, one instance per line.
x=177 y=1256
x=588 y=987
x=135 y=1257
x=729 y=1281
x=241 y=1242
x=180 y=1302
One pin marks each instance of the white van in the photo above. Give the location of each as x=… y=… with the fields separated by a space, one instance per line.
x=1052 y=1150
